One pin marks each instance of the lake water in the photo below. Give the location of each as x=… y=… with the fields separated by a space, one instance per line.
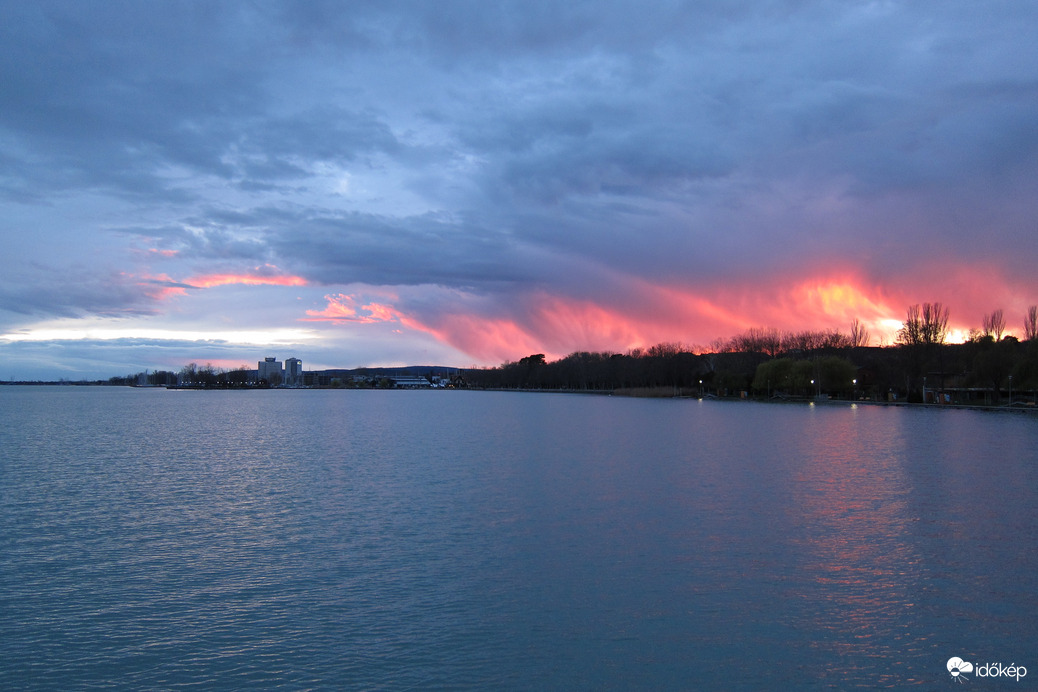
x=154 y=539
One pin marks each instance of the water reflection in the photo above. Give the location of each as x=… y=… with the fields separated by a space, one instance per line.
x=491 y=540
x=861 y=571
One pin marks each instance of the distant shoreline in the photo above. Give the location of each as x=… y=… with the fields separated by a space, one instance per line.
x=662 y=393
x=634 y=393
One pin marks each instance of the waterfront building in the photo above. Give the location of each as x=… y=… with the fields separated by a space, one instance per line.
x=270 y=369
x=293 y=372
x=409 y=381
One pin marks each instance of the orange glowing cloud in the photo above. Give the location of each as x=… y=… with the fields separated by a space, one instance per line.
x=490 y=340
x=650 y=314
x=840 y=299
x=342 y=308
x=635 y=313
x=211 y=280
x=816 y=303
x=547 y=324
x=163 y=286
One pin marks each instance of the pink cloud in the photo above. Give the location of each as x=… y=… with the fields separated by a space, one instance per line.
x=647 y=314
x=211 y=280
x=158 y=287
x=635 y=313
x=342 y=308
x=162 y=286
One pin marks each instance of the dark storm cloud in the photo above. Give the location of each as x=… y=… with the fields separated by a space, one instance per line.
x=364 y=248
x=103 y=94
x=115 y=95
x=51 y=292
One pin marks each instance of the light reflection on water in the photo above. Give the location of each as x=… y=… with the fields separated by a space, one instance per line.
x=389 y=540
x=861 y=572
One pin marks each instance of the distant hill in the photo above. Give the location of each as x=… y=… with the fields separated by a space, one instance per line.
x=416 y=370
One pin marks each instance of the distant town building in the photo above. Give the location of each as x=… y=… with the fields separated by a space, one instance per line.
x=270 y=369
x=409 y=381
x=293 y=372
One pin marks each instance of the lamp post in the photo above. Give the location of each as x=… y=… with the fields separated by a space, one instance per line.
x=854 y=395
x=701 y=389
x=1010 y=391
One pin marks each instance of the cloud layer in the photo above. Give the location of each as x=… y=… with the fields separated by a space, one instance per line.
x=469 y=182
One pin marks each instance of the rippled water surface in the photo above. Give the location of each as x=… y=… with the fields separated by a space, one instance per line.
x=157 y=539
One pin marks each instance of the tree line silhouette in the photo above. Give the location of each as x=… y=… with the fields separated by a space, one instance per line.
x=988 y=368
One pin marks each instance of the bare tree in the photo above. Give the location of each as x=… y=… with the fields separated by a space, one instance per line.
x=188 y=374
x=758 y=340
x=995 y=324
x=805 y=341
x=794 y=342
x=1031 y=323
x=911 y=332
x=923 y=329
x=859 y=334
x=935 y=324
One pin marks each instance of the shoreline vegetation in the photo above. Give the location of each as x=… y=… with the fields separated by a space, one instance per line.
x=989 y=370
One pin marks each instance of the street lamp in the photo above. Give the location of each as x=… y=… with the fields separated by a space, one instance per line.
x=1010 y=391
x=855 y=383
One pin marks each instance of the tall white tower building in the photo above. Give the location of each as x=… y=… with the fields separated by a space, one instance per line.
x=293 y=372
x=269 y=369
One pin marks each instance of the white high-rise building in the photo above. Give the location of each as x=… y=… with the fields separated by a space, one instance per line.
x=269 y=369
x=293 y=372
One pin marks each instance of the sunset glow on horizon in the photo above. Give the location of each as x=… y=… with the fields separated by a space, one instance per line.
x=595 y=178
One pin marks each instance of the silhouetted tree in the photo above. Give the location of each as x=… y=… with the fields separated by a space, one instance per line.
x=534 y=360
x=922 y=332
x=783 y=376
x=811 y=341
x=859 y=335
x=189 y=374
x=995 y=324
x=764 y=340
x=1031 y=323
x=935 y=323
x=529 y=371
x=994 y=363
x=237 y=377
x=836 y=374
x=1025 y=373
x=927 y=326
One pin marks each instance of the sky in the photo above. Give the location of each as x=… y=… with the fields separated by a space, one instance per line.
x=467 y=183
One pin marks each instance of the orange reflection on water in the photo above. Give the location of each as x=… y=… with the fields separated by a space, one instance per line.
x=854 y=535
